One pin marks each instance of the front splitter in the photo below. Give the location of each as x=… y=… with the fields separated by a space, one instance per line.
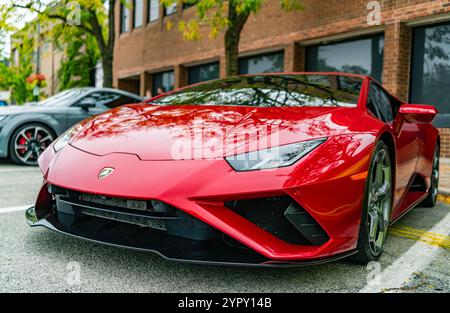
x=171 y=248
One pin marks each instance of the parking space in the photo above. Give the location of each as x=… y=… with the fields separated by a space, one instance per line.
x=417 y=258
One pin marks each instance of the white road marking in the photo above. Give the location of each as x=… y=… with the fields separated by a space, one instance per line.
x=15 y=209
x=20 y=170
x=418 y=257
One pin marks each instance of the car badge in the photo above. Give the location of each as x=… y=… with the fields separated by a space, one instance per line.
x=105 y=172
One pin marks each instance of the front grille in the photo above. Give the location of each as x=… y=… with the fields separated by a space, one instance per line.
x=73 y=206
x=282 y=217
x=115 y=202
x=147 y=207
x=156 y=223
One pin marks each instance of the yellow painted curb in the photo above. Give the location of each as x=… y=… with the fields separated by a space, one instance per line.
x=444 y=198
x=430 y=238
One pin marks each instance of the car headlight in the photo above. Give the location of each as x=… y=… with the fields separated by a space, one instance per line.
x=271 y=158
x=65 y=138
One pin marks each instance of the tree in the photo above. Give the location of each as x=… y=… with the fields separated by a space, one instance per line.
x=15 y=76
x=80 y=58
x=228 y=16
x=93 y=17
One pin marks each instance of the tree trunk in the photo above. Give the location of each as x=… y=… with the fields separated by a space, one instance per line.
x=107 y=63
x=232 y=38
x=231 y=53
x=106 y=47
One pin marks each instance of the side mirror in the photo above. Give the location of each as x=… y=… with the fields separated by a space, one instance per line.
x=418 y=113
x=87 y=103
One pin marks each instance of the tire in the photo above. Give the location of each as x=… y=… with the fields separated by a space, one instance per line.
x=377 y=207
x=431 y=199
x=28 y=142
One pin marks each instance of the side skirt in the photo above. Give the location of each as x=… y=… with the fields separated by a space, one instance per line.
x=412 y=201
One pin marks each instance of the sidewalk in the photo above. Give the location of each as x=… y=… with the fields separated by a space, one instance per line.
x=444 y=179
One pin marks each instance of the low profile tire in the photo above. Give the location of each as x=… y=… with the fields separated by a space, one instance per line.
x=377 y=207
x=431 y=199
x=28 y=142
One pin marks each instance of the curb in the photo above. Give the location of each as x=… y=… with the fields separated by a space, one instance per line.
x=444 y=192
x=445 y=161
x=444 y=196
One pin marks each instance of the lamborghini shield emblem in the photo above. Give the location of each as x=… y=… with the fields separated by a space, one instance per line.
x=105 y=172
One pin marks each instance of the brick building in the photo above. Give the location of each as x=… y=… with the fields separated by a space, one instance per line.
x=409 y=50
x=46 y=58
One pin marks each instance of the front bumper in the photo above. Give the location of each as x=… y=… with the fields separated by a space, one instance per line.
x=3 y=141
x=329 y=186
x=172 y=248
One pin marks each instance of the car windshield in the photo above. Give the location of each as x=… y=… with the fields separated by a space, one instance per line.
x=64 y=98
x=271 y=91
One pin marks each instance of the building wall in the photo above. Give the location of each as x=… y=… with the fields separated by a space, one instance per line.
x=445 y=141
x=50 y=63
x=153 y=48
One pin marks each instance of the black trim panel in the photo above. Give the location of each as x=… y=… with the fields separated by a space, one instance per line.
x=172 y=248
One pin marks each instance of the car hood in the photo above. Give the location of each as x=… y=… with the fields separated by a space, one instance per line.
x=202 y=132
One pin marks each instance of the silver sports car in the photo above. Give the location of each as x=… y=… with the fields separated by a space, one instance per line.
x=25 y=131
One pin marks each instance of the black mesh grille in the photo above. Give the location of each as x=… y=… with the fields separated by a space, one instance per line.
x=73 y=206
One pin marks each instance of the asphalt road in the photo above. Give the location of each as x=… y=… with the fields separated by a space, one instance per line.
x=417 y=258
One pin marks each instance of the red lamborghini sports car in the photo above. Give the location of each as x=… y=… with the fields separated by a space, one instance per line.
x=264 y=170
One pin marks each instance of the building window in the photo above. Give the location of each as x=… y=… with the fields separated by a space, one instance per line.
x=171 y=9
x=430 y=77
x=153 y=10
x=138 y=17
x=380 y=102
x=361 y=56
x=124 y=18
x=267 y=63
x=163 y=82
x=204 y=72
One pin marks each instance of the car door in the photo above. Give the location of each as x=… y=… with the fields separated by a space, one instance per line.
x=104 y=100
x=406 y=141
x=77 y=113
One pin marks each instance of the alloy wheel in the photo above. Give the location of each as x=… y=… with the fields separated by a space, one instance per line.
x=435 y=175
x=379 y=201
x=30 y=142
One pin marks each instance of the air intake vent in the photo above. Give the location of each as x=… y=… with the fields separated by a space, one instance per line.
x=283 y=218
x=418 y=184
x=305 y=224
